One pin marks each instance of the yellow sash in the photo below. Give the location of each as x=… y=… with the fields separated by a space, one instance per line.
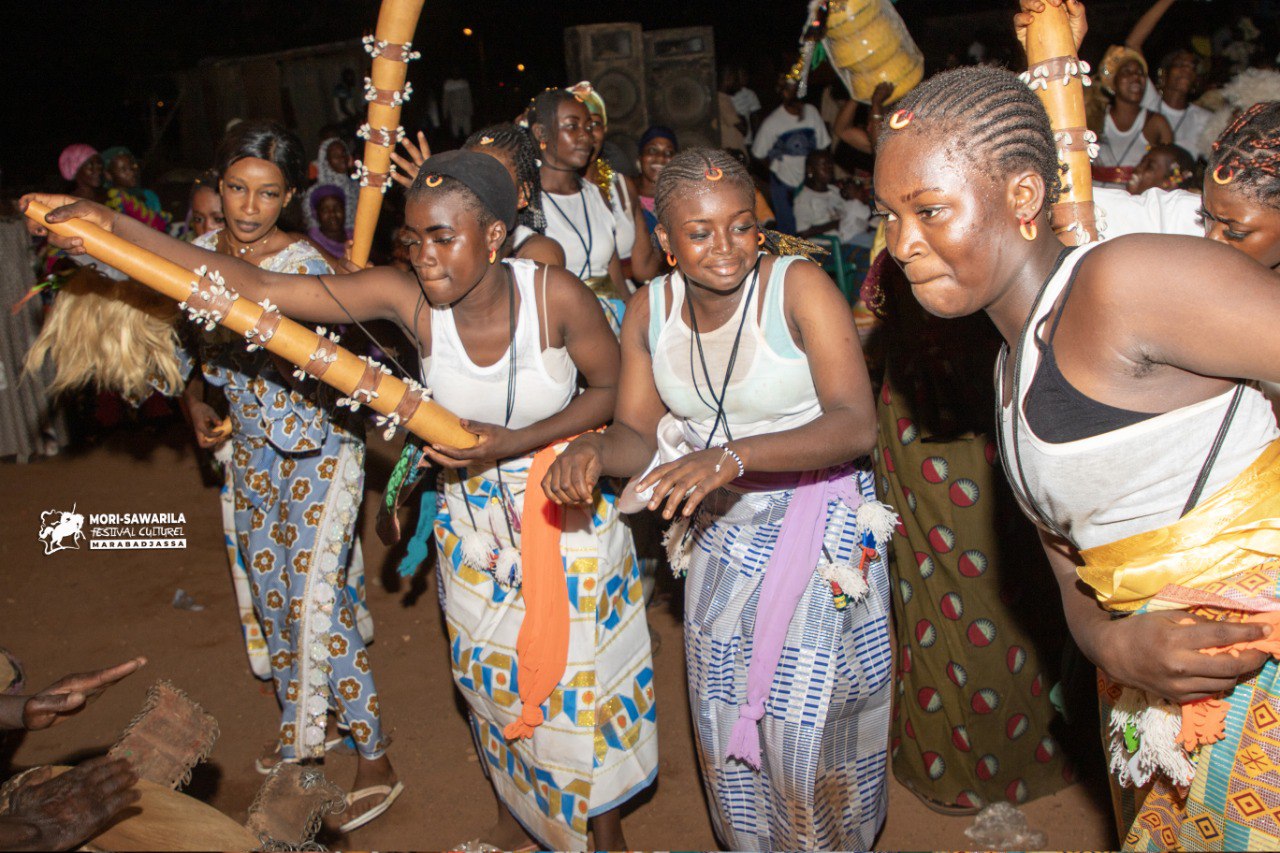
x=603 y=287
x=1229 y=533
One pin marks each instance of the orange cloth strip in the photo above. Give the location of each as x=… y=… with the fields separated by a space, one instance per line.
x=542 y=646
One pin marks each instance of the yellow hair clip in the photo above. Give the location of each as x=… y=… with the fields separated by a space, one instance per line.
x=434 y=180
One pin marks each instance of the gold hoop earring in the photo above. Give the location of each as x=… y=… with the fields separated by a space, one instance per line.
x=1219 y=179
x=542 y=145
x=760 y=239
x=493 y=255
x=671 y=259
x=1029 y=229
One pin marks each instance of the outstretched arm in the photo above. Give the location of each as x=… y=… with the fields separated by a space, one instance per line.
x=381 y=293
x=594 y=351
x=1146 y=24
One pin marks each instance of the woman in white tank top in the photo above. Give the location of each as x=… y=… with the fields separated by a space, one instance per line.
x=504 y=344
x=1143 y=363
x=742 y=373
x=578 y=216
x=1123 y=79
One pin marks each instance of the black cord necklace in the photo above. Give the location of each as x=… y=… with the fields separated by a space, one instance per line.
x=746 y=305
x=589 y=243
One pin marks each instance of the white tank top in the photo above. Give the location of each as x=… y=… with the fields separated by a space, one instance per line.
x=1122 y=149
x=1133 y=479
x=622 y=204
x=545 y=379
x=584 y=226
x=771 y=388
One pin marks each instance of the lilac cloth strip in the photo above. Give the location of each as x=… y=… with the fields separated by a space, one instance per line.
x=786 y=577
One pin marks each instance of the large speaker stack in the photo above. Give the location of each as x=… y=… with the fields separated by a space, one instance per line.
x=680 y=71
x=611 y=56
x=665 y=77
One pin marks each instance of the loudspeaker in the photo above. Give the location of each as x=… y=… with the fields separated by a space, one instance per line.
x=680 y=72
x=611 y=56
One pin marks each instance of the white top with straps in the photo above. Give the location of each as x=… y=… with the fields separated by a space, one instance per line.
x=771 y=389
x=583 y=225
x=1133 y=479
x=545 y=381
x=1122 y=149
x=622 y=204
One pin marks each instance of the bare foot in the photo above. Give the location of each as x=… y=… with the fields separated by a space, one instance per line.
x=368 y=774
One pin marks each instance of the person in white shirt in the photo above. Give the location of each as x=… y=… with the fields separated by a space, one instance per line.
x=1177 y=79
x=745 y=101
x=823 y=207
x=789 y=134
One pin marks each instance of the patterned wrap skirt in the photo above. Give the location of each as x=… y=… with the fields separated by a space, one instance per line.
x=598 y=746
x=824 y=735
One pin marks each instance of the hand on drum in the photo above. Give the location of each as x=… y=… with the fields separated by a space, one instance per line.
x=62 y=812
x=69 y=694
x=62 y=208
x=1075 y=14
x=688 y=480
x=572 y=477
x=1161 y=653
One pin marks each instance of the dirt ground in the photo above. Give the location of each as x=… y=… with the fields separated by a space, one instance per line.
x=83 y=609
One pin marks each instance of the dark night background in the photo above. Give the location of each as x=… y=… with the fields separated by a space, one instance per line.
x=92 y=72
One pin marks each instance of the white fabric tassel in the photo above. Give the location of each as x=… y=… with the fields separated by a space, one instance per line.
x=507 y=571
x=679 y=546
x=878 y=519
x=850 y=579
x=476 y=551
x=1158 y=724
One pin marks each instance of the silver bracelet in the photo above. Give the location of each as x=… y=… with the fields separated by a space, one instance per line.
x=742 y=469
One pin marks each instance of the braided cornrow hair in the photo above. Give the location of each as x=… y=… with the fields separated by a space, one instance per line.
x=1247 y=154
x=999 y=119
x=691 y=167
x=518 y=144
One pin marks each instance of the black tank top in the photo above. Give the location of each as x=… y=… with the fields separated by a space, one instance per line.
x=1055 y=410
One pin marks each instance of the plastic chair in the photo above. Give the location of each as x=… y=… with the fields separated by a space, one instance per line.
x=840 y=266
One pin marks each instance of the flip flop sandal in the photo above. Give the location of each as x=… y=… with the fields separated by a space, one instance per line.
x=389 y=793
x=477 y=845
x=329 y=746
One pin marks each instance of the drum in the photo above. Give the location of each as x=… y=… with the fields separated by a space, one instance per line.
x=166 y=820
x=869 y=44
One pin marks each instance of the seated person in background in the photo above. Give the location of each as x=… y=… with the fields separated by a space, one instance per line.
x=1164 y=167
x=62 y=812
x=823 y=207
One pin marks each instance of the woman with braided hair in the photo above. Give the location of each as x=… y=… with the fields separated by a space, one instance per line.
x=506 y=344
x=1130 y=434
x=512 y=146
x=579 y=217
x=745 y=417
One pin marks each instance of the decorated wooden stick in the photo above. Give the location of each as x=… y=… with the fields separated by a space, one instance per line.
x=207 y=299
x=1058 y=76
x=386 y=90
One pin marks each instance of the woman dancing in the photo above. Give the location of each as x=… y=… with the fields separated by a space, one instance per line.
x=503 y=344
x=297 y=472
x=512 y=146
x=578 y=216
x=742 y=371
x=1131 y=441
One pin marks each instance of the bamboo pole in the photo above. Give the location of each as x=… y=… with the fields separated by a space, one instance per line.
x=390 y=47
x=399 y=402
x=1058 y=76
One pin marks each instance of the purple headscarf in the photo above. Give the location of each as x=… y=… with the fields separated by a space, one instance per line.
x=312 y=214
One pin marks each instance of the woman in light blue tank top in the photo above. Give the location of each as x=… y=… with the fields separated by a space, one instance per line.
x=745 y=396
